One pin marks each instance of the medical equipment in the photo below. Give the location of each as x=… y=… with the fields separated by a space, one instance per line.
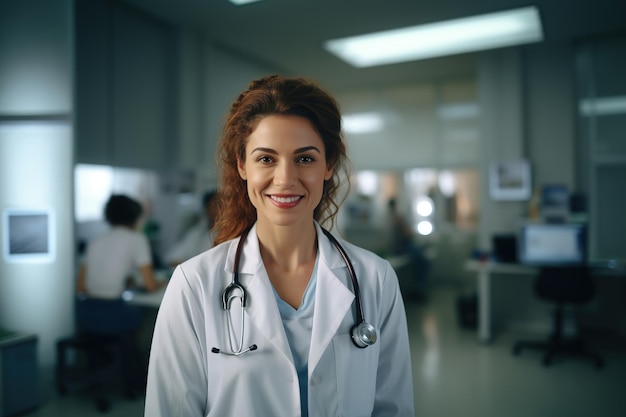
x=362 y=333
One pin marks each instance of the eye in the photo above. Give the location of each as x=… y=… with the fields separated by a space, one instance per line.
x=305 y=159
x=265 y=159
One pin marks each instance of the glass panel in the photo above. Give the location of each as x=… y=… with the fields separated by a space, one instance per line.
x=610 y=221
x=445 y=198
x=611 y=130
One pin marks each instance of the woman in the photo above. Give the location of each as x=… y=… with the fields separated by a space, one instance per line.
x=279 y=341
x=110 y=260
x=113 y=258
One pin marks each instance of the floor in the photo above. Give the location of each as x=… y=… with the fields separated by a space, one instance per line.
x=455 y=375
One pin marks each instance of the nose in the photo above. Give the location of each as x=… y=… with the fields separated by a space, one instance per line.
x=285 y=175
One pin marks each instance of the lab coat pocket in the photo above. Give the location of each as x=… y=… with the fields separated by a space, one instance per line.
x=356 y=376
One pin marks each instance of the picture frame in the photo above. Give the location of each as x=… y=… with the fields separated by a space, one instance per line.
x=28 y=235
x=510 y=180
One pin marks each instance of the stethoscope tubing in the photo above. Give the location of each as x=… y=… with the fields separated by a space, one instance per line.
x=235 y=285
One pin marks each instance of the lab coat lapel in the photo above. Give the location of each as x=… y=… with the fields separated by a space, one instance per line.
x=333 y=298
x=261 y=306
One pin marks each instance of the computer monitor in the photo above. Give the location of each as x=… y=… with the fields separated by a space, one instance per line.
x=545 y=244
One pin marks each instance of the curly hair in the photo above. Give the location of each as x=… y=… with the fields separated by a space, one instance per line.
x=121 y=210
x=276 y=95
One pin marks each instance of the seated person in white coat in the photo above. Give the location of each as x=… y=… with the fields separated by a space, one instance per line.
x=281 y=318
x=198 y=238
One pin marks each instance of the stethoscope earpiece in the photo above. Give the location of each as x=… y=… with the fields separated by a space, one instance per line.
x=363 y=335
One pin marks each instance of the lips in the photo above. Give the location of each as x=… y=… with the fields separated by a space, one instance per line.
x=285 y=201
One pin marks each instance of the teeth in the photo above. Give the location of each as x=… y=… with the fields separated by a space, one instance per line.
x=285 y=199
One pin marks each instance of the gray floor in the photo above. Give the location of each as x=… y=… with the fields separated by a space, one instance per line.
x=456 y=376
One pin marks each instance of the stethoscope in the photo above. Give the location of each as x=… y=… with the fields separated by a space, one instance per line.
x=362 y=333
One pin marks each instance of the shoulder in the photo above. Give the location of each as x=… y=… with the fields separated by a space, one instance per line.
x=203 y=267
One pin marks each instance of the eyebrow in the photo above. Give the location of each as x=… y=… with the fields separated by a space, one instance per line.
x=297 y=151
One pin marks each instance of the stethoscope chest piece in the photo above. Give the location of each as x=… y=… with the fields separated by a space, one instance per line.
x=363 y=335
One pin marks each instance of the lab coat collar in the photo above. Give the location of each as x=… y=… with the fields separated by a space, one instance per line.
x=333 y=297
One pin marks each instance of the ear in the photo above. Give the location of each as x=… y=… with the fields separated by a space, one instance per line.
x=241 y=167
x=329 y=173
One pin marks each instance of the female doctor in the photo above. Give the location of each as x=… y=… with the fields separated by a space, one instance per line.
x=280 y=318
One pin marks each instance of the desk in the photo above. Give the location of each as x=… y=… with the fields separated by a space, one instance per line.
x=484 y=270
x=145 y=299
x=153 y=299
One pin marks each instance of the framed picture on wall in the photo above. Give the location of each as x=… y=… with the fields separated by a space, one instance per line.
x=28 y=235
x=510 y=180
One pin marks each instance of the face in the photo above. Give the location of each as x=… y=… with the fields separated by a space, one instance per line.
x=285 y=170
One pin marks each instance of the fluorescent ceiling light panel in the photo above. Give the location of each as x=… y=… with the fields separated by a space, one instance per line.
x=602 y=106
x=476 y=33
x=242 y=2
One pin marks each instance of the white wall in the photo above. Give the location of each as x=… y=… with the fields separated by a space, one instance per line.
x=36 y=160
x=500 y=82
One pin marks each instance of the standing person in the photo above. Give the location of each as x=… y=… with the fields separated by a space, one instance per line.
x=199 y=237
x=111 y=259
x=270 y=322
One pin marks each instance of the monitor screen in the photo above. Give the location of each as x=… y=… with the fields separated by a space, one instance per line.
x=553 y=244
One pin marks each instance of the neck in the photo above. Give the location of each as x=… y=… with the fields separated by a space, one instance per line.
x=287 y=247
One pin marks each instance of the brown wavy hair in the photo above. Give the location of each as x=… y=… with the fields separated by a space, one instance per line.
x=276 y=95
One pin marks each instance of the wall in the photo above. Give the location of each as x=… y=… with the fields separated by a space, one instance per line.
x=36 y=160
x=126 y=91
x=500 y=81
x=225 y=75
x=550 y=106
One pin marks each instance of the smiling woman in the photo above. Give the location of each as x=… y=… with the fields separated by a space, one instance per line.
x=277 y=289
x=285 y=170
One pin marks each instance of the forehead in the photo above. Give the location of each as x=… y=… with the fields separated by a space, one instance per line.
x=284 y=131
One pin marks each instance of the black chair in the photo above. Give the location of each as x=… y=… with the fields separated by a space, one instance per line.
x=97 y=363
x=563 y=286
x=103 y=349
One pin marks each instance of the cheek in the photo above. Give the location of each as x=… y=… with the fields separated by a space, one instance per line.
x=257 y=180
x=315 y=180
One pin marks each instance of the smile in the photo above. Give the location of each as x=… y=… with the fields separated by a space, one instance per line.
x=285 y=200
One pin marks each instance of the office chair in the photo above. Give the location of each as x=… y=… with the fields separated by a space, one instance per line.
x=97 y=362
x=563 y=286
x=103 y=350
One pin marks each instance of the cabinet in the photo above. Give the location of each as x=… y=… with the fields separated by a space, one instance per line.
x=19 y=385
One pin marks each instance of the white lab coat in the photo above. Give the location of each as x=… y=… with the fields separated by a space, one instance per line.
x=186 y=379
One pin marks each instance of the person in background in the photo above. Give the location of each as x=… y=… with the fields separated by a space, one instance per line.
x=199 y=237
x=402 y=242
x=270 y=322
x=109 y=262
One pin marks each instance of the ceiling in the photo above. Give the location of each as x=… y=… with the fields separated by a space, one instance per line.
x=287 y=35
